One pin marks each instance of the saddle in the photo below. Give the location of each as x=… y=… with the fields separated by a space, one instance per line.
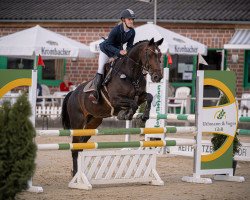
x=107 y=76
x=89 y=87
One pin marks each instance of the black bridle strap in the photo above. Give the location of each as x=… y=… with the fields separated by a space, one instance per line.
x=147 y=60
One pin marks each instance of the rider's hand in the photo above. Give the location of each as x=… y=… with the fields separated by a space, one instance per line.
x=111 y=60
x=123 y=52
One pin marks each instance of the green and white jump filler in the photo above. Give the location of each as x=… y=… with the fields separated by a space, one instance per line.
x=221 y=119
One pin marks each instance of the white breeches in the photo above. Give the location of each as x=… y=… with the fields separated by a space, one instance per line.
x=103 y=59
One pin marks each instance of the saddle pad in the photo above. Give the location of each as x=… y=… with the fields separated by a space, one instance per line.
x=89 y=87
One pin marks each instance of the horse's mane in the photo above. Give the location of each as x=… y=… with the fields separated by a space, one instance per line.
x=140 y=42
x=137 y=43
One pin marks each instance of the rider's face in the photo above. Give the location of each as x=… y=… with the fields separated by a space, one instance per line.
x=129 y=22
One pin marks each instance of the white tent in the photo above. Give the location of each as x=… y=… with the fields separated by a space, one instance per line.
x=37 y=40
x=173 y=43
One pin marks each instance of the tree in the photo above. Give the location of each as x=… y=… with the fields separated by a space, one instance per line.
x=17 y=148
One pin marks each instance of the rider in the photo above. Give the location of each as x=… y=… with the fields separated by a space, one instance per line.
x=112 y=47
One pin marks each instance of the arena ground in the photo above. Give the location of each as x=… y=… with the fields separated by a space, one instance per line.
x=53 y=174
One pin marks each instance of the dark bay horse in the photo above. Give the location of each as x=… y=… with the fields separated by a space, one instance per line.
x=120 y=96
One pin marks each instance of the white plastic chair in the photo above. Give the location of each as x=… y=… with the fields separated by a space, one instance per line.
x=181 y=92
x=245 y=104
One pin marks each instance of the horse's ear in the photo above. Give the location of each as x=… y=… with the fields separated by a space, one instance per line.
x=159 y=42
x=151 y=42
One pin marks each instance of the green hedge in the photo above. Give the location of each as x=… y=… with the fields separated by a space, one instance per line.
x=17 y=149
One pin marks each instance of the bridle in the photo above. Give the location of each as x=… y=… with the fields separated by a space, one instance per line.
x=158 y=55
x=147 y=65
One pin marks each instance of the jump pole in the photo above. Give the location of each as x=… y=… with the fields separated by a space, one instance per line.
x=183 y=117
x=117 y=131
x=111 y=145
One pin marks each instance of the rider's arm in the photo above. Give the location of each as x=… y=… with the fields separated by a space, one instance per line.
x=111 y=41
x=131 y=40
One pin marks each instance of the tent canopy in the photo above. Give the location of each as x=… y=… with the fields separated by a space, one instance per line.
x=240 y=40
x=37 y=40
x=173 y=43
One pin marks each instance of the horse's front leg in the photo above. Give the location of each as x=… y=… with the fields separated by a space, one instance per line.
x=128 y=108
x=148 y=98
x=131 y=111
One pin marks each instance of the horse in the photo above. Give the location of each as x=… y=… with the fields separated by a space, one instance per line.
x=121 y=95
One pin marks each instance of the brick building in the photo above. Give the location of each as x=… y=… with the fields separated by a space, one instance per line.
x=210 y=22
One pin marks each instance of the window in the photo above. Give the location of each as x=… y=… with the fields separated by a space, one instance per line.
x=181 y=69
x=53 y=72
x=51 y=75
x=213 y=59
x=19 y=63
x=247 y=69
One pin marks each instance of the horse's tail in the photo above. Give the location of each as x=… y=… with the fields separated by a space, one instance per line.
x=64 y=113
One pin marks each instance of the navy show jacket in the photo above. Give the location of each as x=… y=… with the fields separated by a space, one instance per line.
x=117 y=37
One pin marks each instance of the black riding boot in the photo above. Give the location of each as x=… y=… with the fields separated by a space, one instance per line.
x=94 y=96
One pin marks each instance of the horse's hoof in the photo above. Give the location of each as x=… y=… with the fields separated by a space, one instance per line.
x=140 y=122
x=73 y=173
x=121 y=115
x=144 y=119
x=128 y=117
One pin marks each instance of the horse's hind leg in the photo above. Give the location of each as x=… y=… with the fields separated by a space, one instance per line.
x=91 y=123
x=77 y=123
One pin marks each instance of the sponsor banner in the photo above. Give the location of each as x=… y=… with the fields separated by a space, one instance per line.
x=183 y=49
x=157 y=106
x=54 y=52
x=220 y=119
x=158 y=91
x=244 y=152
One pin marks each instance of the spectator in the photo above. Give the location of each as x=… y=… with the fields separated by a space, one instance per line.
x=65 y=85
x=39 y=92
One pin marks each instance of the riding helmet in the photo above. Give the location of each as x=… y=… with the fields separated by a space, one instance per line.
x=127 y=14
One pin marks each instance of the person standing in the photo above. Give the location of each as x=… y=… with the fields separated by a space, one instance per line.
x=39 y=92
